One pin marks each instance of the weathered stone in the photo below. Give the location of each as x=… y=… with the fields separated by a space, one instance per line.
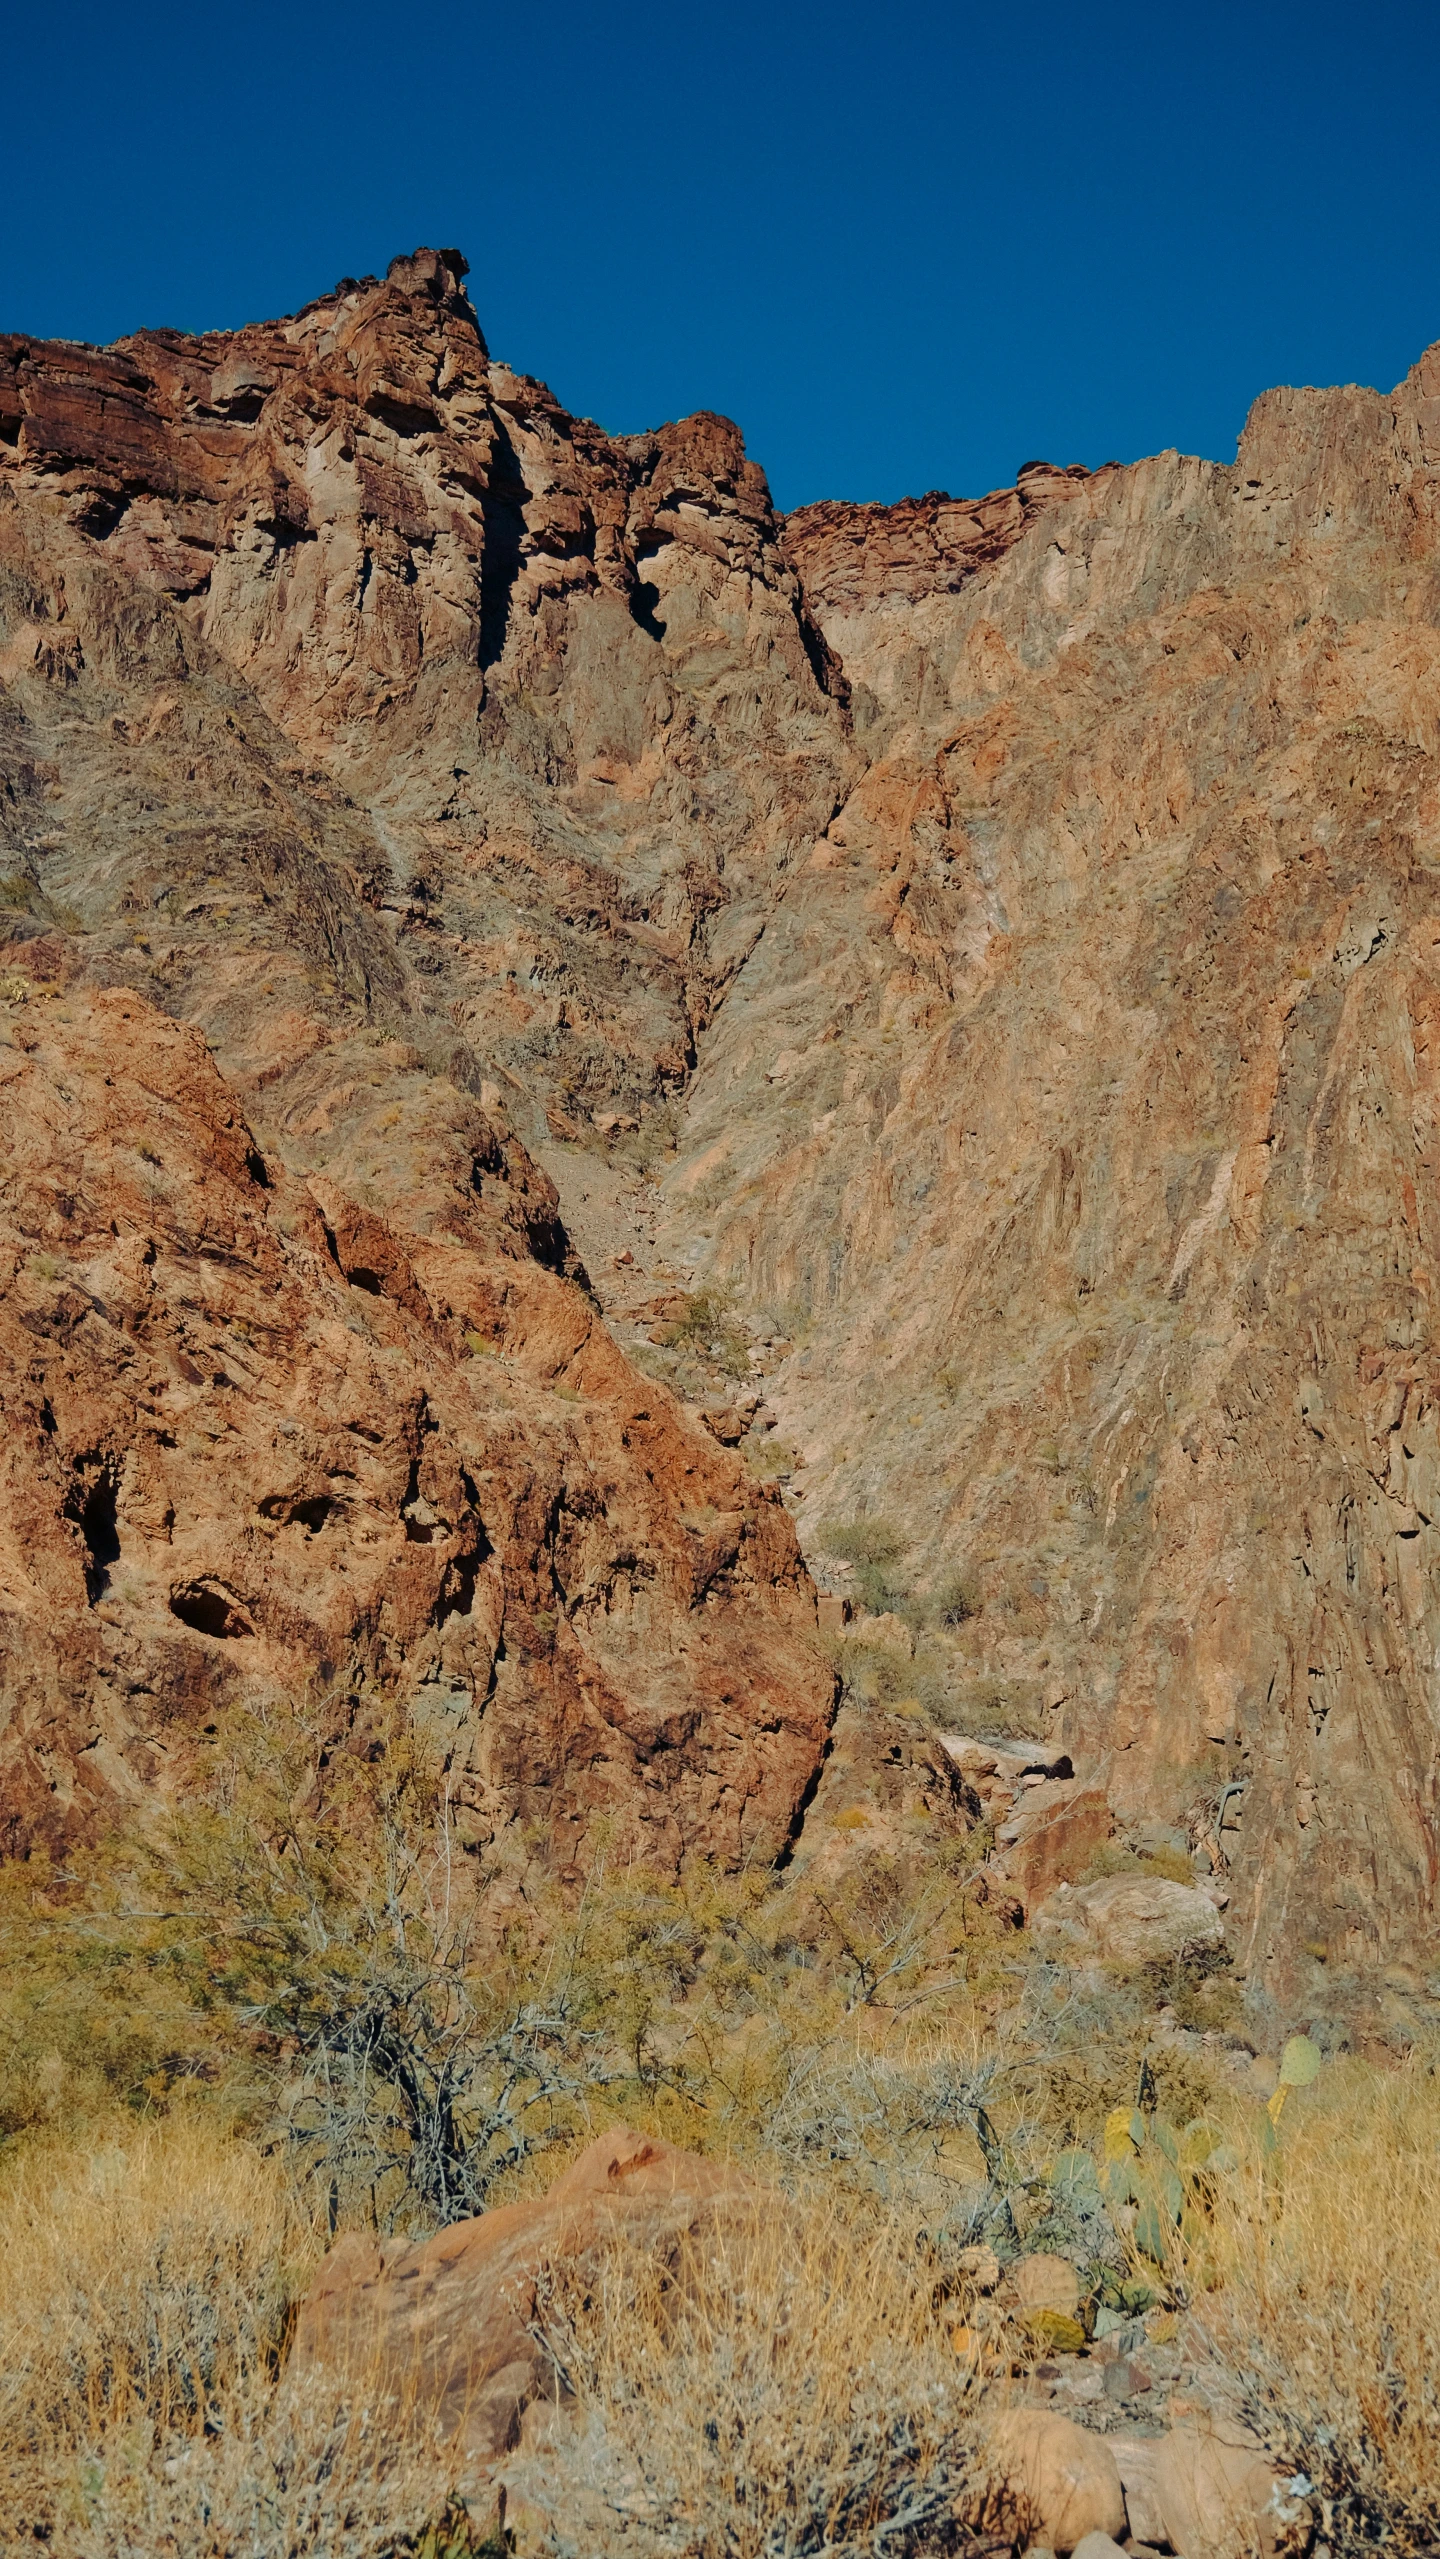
x=1134 y=1919
x=1052 y=2481
x=1043 y=2281
x=1051 y=1837
x=444 y=2331
x=247 y=1439
x=1136 y=2458
x=1225 y=2500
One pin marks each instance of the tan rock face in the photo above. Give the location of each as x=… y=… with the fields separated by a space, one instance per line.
x=1107 y=1180
x=1225 y=2499
x=1051 y=1837
x=1133 y=1920
x=446 y=2329
x=568 y=679
x=1055 y=2482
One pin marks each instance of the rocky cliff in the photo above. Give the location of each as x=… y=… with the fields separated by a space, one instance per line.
x=321 y=729
x=981 y=955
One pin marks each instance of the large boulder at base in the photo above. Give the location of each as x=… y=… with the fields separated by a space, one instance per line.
x=1221 y=2500
x=1133 y=1920
x=443 y=2331
x=1136 y=2459
x=1050 y=2481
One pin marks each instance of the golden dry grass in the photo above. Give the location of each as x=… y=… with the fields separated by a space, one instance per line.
x=149 y=2274
x=781 y=2390
x=1327 y=2308
x=148 y=2270
x=784 y=2397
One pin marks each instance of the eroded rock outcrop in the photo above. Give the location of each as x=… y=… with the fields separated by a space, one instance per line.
x=450 y=2331
x=390 y=730
x=261 y=1440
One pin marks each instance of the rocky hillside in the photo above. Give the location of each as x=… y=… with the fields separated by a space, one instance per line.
x=965 y=969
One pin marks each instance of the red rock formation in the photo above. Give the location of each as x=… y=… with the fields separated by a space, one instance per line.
x=852 y=556
x=447 y=2330
x=269 y=604
x=259 y=1439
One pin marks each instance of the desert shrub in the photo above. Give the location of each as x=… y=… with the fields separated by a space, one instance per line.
x=295 y=1935
x=877 y=1674
x=872 y=1546
x=1114 y=1859
x=864 y=1540
x=767 y=1457
x=710 y=1325
x=784 y=2394
x=955 y=1599
x=148 y=2270
x=150 y=2273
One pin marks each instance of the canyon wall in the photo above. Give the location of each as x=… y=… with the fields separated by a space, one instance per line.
x=320 y=735
x=995 y=942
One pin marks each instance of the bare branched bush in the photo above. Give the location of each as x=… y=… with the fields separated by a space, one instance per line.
x=301 y=1931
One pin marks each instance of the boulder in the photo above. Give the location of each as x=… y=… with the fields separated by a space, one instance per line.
x=1051 y=2481
x=444 y=2330
x=1051 y=1838
x=1044 y=2282
x=1098 y=2545
x=1133 y=1920
x=1221 y=2500
x=1136 y=2459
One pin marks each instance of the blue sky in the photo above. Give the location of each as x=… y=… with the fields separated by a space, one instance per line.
x=907 y=247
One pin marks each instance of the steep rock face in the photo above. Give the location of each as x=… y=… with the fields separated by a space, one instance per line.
x=258 y=1440
x=269 y=604
x=1082 y=1097
x=1011 y=925
x=569 y=679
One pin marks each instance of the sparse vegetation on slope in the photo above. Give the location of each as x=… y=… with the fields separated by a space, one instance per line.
x=276 y=2014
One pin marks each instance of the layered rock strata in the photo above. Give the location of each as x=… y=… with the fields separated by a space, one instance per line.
x=1081 y=1100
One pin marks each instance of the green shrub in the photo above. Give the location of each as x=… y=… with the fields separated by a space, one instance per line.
x=863 y=1540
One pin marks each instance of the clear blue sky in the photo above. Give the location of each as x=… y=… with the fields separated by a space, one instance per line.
x=906 y=246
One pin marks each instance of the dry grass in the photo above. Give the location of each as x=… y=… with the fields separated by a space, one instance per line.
x=1327 y=2310
x=149 y=2274
x=856 y=2038
x=148 y=2271
x=790 y=2396
x=783 y=2393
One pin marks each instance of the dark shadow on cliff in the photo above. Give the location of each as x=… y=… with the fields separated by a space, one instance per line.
x=504 y=509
